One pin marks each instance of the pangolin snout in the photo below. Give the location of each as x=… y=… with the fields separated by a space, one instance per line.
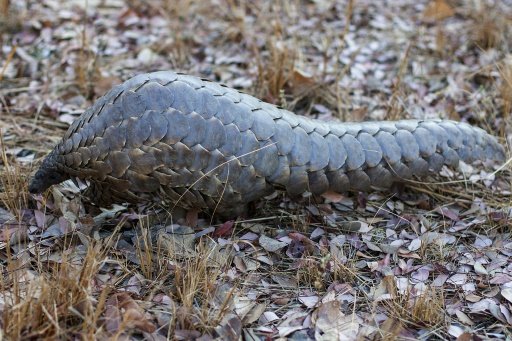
x=43 y=179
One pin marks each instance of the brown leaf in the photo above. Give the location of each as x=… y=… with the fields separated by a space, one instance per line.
x=13 y=234
x=103 y=84
x=466 y=336
x=279 y=300
x=225 y=230
x=438 y=10
x=333 y=196
x=449 y=213
x=285 y=281
x=123 y=310
x=300 y=244
x=391 y=328
x=359 y=114
x=186 y=334
x=112 y=318
x=298 y=237
x=301 y=82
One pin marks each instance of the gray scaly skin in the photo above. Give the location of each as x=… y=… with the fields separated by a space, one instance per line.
x=191 y=143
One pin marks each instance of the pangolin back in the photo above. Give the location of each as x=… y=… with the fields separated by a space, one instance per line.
x=177 y=139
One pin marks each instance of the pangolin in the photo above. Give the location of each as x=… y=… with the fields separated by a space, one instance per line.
x=182 y=141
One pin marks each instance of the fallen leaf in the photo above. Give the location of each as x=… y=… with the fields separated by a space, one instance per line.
x=285 y=281
x=245 y=264
x=309 y=301
x=185 y=334
x=177 y=240
x=243 y=305
x=438 y=10
x=458 y=279
x=464 y=318
x=301 y=82
x=482 y=242
x=501 y=279
x=331 y=324
x=230 y=328
x=415 y=244
x=268 y=316
x=318 y=232
x=449 y=213
x=507 y=293
x=287 y=330
x=467 y=336
x=479 y=269
x=455 y=330
x=225 y=230
x=254 y=314
x=439 y=280
x=333 y=196
x=121 y=309
x=391 y=328
x=270 y=244
x=300 y=244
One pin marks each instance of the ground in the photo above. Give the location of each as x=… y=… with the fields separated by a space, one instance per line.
x=431 y=260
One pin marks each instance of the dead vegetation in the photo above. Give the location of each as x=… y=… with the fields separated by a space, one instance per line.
x=57 y=303
x=430 y=261
x=408 y=309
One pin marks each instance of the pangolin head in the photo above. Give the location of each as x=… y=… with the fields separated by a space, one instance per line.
x=48 y=174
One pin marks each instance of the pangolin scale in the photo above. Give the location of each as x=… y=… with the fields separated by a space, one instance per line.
x=182 y=141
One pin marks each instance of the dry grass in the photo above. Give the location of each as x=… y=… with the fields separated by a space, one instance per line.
x=396 y=108
x=274 y=74
x=318 y=273
x=189 y=276
x=14 y=193
x=55 y=303
x=197 y=292
x=505 y=71
x=10 y=20
x=86 y=67
x=49 y=299
x=408 y=309
x=490 y=28
x=7 y=61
